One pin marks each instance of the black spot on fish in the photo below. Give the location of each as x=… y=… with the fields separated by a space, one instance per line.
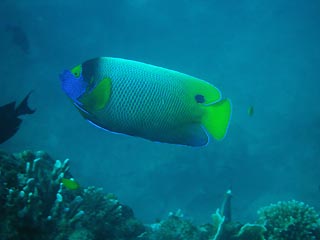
x=199 y=98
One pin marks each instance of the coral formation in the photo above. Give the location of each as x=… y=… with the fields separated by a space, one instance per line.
x=225 y=229
x=179 y=228
x=251 y=231
x=40 y=200
x=290 y=220
x=218 y=220
x=35 y=204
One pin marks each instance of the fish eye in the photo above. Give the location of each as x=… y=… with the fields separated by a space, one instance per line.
x=199 y=98
x=77 y=74
x=76 y=71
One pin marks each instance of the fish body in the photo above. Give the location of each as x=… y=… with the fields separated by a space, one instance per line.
x=70 y=184
x=147 y=101
x=9 y=118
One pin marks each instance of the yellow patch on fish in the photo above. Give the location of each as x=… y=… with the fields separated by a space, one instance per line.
x=76 y=71
x=98 y=97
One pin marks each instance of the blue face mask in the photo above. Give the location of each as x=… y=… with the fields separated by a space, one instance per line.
x=72 y=85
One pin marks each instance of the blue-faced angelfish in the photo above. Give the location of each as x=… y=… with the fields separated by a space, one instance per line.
x=147 y=101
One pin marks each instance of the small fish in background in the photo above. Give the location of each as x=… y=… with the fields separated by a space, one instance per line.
x=147 y=101
x=250 y=111
x=18 y=37
x=9 y=118
x=70 y=184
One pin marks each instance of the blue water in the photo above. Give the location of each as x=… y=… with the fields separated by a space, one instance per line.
x=264 y=54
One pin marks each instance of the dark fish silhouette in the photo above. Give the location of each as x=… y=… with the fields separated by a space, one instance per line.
x=9 y=118
x=18 y=37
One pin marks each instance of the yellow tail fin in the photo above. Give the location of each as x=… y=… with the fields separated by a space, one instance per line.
x=217 y=118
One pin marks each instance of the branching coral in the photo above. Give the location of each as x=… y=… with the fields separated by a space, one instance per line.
x=36 y=205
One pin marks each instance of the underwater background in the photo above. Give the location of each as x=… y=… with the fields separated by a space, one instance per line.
x=264 y=54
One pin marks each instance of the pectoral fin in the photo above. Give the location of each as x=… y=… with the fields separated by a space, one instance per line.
x=97 y=99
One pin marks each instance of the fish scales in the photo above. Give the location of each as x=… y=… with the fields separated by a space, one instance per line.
x=142 y=94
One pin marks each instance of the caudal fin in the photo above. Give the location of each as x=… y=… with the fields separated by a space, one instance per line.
x=23 y=107
x=217 y=118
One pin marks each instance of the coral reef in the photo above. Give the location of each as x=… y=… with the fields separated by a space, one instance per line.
x=34 y=204
x=290 y=220
x=282 y=221
x=225 y=229
x=179 y=228
x=40 y=200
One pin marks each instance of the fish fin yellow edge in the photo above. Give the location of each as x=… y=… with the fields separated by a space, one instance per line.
x=216 y=120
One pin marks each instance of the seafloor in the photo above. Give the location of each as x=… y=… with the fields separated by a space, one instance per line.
x=37 y=204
